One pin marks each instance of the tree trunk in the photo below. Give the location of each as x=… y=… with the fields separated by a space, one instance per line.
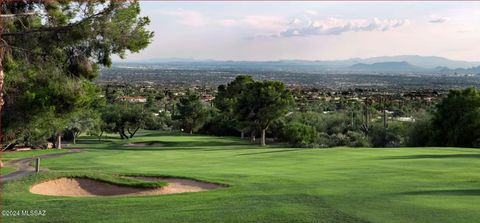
x=191 y=131
x=242 y=135
x=74 y=138
x=384 y=118
x=134 y=132
x=2 y=77
x=58 y=140
x=252 y=136
x=121 y=131
x=352 y=123
x=100 y=136
x=263 y=138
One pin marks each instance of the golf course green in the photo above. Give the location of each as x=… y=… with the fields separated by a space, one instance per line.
x=272 y=184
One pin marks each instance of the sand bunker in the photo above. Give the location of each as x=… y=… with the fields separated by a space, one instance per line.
x=78 y=187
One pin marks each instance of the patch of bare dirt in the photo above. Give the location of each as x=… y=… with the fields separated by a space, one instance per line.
x=78 y=187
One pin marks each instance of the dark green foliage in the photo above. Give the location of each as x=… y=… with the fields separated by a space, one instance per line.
x=82 y=121
x=125 y=117
x=226 y=100
x=220 y=124
x=300 y=134
x=263 y=103
x=192 y=113
x=456 y=121
x=394 y=136
x=49 y=63
x=421 y=133
x=78 y=36
x=42 y=102
x=227 y=96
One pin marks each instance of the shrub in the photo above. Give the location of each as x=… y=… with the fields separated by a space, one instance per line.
x=420 y=133
x=299 y=134
x=357 y=139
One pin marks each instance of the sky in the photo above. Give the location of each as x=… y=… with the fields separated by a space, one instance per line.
x=311 y=30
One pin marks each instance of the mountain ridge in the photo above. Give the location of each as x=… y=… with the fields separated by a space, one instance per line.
x=428 y=62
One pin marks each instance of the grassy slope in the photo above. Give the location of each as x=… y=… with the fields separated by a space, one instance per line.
x=7 y=156
x=7 y=170
x=269 y=185
x=30 y=153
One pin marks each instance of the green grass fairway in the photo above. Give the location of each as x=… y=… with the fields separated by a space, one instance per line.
x=7 y=170
x=273 y=184
x=7 y=156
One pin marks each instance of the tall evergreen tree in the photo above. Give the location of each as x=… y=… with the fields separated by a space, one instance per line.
x=263 y=103
x=227 y=97
x=192 y=113
x=70 y=38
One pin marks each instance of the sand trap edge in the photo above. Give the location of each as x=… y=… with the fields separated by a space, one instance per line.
x=86 y=187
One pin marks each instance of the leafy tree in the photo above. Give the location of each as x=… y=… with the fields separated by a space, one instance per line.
x=263 y=103
x=192 y=113
x=125 y=117
x=81 y=122
x=43 y=97
x=70 y=38
x=226 y=99
x=456 y=121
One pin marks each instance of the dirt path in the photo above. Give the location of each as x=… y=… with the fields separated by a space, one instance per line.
x=24 y=168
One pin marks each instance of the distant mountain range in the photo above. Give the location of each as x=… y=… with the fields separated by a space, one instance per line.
x=421 y=61
x=386 y=67
x=393 y=64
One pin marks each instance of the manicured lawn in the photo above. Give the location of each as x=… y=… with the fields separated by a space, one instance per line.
x=272 y=184
x=7 y=156
x=30 y=153
x=6 y=170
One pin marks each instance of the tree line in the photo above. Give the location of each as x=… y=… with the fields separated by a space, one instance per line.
x=245 y=107
x=51 y=52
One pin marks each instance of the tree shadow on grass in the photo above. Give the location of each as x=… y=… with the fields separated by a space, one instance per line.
x=92 y=141
x=434 y=156
x=465 y=192
x=148 y=148
x=273 y=151
x=202 y=143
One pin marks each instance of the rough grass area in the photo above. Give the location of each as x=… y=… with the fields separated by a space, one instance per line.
x=7 y=170
x=11 y=155
x=273 y=184
x=29 y=153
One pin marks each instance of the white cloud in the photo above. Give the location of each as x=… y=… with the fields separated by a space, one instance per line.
x=308 y=23
x=187 y=17
x=336 y=26
x=438 y=19
x=265 y=23
x=311 y=12
x=227 y=22
x=257 y=22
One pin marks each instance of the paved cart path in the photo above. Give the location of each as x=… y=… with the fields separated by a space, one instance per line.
x=24 y=168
